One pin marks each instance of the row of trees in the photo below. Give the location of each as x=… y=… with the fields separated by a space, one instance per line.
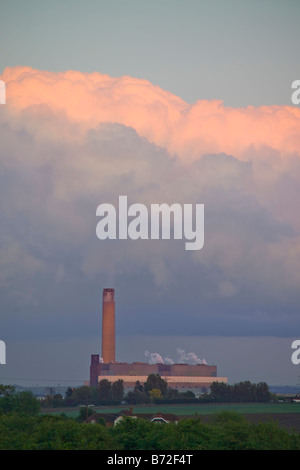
x=23 y=427
x=240 y=392
x=225 y=432
x=21 y=402
x=154 y=389
x=106 y=393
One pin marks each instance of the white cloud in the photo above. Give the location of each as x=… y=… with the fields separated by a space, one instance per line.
x=53 y=176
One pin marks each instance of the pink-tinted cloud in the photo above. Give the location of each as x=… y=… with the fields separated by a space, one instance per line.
x=245 y=279
x=187 y=130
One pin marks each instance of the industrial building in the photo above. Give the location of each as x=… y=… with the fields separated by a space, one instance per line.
x=197 y=378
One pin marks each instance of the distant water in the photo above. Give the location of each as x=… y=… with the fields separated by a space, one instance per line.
x=293 y=389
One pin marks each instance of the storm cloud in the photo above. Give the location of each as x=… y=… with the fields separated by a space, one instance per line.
x=71 y=141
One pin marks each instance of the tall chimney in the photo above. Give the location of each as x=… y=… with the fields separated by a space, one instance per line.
x=108 y=326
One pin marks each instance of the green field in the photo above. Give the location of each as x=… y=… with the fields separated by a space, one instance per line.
x=193 y=410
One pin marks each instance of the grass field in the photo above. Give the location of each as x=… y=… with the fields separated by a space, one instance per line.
x=193 y=410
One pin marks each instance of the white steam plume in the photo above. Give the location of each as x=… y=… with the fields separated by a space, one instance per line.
x=154 y=357
x=183 y=357
x=189 y=357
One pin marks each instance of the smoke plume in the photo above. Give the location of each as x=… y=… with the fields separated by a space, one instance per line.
x=154 y=357
x=183 y=357
x=189 y=357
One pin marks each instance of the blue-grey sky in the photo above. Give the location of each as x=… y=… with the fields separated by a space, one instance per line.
x=241 y=52
x=236 y=302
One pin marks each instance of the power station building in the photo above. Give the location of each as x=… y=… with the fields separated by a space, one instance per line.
x=197 y=378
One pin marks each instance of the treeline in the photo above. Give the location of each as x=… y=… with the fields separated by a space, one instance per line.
x=22 y=426
x=156 y=390
x=107 y=393
x=240 y=392
x=228 y=431
x=21 y=402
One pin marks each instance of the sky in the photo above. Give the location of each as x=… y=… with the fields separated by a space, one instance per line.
x=165 y=102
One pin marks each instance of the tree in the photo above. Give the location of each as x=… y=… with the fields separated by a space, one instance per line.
x=262 y=392
x=104 y=390
x=6 y=390
x=155 y=394
x=57 y=400
x=26 y=402
x=135 y=397
x=219 y=390
x=7 y=404
x=172 y=392
x=189 y=394
x=133 y=433
x=240 y=392
x=21 y=402
x=117 y=390
x=156 y=381
x=69 y=392
x=138 y=386
x=83 y=395
x=84 y=413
